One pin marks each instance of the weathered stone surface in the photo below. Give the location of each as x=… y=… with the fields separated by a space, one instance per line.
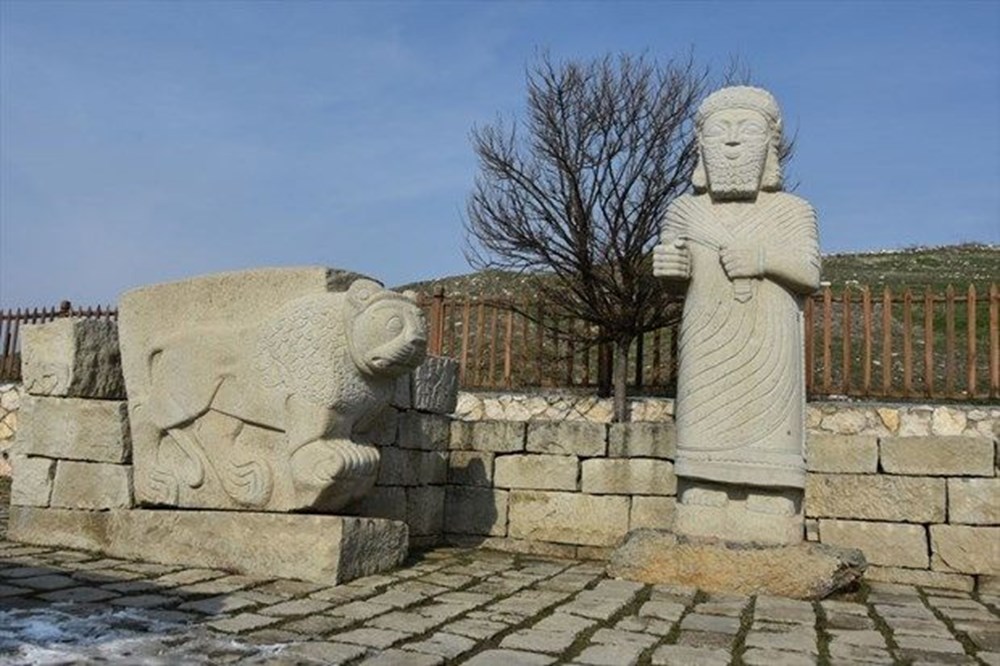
x=498 y=436
x=568 y=517
x=948 y=421
x=430 y=432
x=741 y=513
x=410 y=467
x=382 y=502
x=974 y=501
x=425 y=510
x=435 y=385
x=921 y=577
x=470 y=468
x=842 y=454
x=652 y=512
x=886 y=544
x=628 y=476
x=75 y=429
x=325 y=549
x=476 y=511
x=72 y=357
x=577 y=438
x=539 y=472
x=32 y=481
x=244 y=388
x=85 y=485
x=647 y=440
x=800 y=571
x=876 y=497
x=964 y=549
x=937 y=456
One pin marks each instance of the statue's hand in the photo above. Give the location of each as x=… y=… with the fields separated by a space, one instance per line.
x=672 y=260
x=742 y=262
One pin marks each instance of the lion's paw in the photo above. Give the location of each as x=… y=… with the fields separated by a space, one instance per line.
x=323 y=462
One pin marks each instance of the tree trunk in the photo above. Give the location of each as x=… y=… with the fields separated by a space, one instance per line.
x=621 y=378
x=604 y=370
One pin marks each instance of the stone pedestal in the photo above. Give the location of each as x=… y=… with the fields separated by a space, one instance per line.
x=800 y=571
x=324 y=549
x=744 y=514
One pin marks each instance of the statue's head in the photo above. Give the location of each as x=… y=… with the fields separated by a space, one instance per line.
x=387 y=333
x=739 y=131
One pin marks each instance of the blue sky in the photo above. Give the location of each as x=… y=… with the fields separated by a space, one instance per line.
x=144 y=141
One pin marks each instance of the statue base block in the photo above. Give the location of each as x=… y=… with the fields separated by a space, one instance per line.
x=320 y=548
x=800 y=571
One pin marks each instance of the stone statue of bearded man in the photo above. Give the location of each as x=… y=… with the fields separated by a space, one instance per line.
x=747 y=255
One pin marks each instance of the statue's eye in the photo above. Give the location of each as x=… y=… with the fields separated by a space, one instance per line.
x=753 y=128
x=394 y=325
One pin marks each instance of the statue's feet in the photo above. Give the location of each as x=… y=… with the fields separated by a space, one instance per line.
x=342 y=470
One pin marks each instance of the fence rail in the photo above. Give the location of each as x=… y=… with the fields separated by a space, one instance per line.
x=908 y=344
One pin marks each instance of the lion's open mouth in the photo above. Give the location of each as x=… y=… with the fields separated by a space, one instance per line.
x=406 y=356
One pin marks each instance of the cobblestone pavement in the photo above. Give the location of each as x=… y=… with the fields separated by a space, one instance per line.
x=458 y=606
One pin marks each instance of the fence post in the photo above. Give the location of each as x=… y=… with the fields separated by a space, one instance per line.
x=970 y=305
x=994 y=341
x=437 y=322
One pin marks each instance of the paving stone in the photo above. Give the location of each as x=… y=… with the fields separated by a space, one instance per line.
x=407 y=622
x=25 y=572
x=610 y=655
x=317 y=625
x=859 y=654
x=728 y=606
x=917 y=626
x=847 y=621
x=323 y=651
x=650 y=625
x=553 y=642
x=705 y=639
x=187 y=577
x=443 y=644
x=77 y=595
x=775 y=609
x=376 y=638
x=478 y=629
x=621 y=637
x=868 y=637
x=242 y=623
x=360 y=610
x=49 y=582
x=797 y=640
x=509 y=658
x=402 y=658
x=710 y=623
x=219 y=605
x=13 y=591
x=680 y=655
x=764 y=657
x=916 y=611
x=144 y=601
x=929 y=644
x=296 y=607
x=397 y=599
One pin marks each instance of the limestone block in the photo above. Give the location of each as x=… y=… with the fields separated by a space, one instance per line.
x=921 y=577
x=245 y=388
x=937 y=456
x=425 y=510
x=380 y=430
x=974 y=501
x=801 y=571
x=471 y=510
x=72 y=358
x=876 y=497
x=539 y=472
x=885 y=544
x=32 y=481
x=75 y=429
x=647 y=440
x=324 y=549
x=562 y=517
x=471 y=468
x=435 y=385
x=575 y=438
x=497 y=436
x=387 y=502
x=402 y=397
x=652 y=512
x=628 y=476
x=430 y=432
x=85 y=485
x=842 y=454
x=964 y=549
x=409 y=467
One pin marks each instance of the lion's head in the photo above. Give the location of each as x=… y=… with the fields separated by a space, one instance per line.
x=386 y=331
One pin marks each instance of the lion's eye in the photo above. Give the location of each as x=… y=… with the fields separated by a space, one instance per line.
x=394 y=325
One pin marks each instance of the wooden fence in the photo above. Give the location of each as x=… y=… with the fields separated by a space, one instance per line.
x=912 y=344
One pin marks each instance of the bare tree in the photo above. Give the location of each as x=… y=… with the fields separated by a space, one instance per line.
x=578 y=188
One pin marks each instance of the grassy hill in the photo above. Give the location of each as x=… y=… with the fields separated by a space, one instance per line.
x=915 y=268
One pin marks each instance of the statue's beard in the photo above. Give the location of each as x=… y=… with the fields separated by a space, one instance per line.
x=737 y=178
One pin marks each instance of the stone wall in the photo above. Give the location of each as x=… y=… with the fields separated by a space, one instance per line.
x=10 y=401
x=915 y=487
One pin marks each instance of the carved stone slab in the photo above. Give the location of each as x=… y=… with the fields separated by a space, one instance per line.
x=435 y=385
x=72 y=358
x=244 y=388
x=325 y=549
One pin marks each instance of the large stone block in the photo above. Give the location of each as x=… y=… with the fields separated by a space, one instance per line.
x=568 y=517
x=84 y=485
x=628 y=476
x=32 y=481
x=921 y=577
x=471 y=510
x=876 y=497
x=885 y=544
x=430 y=432
x=409 y=467
x=72 y=358
x=964 y=549
x=497 y=436
x=324 y=549
x=641 y=439
x=75 y=429
x=974 y=501
x=539 y=472
x=652 y=512
x=575 y=438
x=801 y=571
x=842 y=454
x=435 y=385
x=245 y=388
x=471 y=468
x=425 y=510
x=937 y=456
x=382 y=502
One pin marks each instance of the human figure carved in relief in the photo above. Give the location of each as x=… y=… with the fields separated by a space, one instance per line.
x=746 y=255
